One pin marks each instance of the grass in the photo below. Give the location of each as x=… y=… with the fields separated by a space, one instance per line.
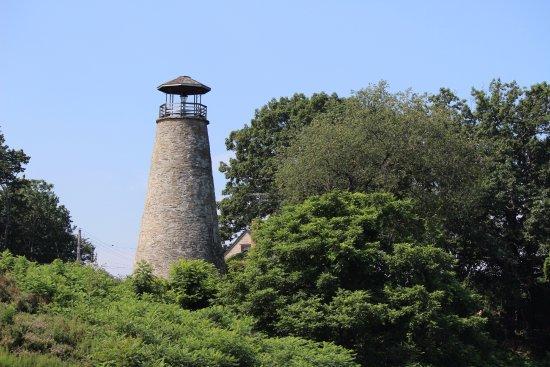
x=10 y=360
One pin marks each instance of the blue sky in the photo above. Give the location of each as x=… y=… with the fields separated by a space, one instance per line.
x=78 y=78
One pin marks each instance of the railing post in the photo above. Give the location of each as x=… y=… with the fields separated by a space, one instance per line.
x=183 y=109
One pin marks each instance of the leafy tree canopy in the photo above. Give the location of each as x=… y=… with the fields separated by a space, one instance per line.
x=513 y=125
x=40 y=227
x=249 y=188
x=33 y=223
x=400 y=143
x=348 y=267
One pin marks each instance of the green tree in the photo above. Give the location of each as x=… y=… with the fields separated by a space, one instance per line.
x=40 y=227
x=250 y=191
x=403 y=143
x=513 y=123
x=479 y=174
x=376 y=140
x=11 y=164
x=348 y=268
x=32 y=222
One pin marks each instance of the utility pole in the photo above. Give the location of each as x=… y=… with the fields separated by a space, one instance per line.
x=79 y=245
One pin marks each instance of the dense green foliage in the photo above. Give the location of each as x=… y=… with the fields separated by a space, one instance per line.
x=250 y=190
x=514 y=124
x=11 y=163
x=478 y=174
x=40 y=227
x=347 y=267
x=33 y=223
x=191 y=284
x=378 y=141
x=86 y=317
x=10 y=360
x=144 y=281
x=195 y=283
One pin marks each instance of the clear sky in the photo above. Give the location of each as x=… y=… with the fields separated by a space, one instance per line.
x=78 y=78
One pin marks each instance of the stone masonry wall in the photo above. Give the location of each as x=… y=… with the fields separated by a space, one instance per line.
x=179 y=219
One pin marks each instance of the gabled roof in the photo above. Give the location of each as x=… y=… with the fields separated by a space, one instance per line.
x=183 y=85
x=243 y=233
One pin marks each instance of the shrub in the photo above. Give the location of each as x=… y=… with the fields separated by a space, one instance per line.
x=7 y=313
x=8 y=291
x=350 y=268
x=91 y=319
x=144 y=281
x=194 y=282
x=7 y=261
x=9 y=360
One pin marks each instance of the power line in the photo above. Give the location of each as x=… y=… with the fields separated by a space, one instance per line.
x=105 y=244
x=113 y=267
x=112 y=250
x=96 y=238
x=117 y=258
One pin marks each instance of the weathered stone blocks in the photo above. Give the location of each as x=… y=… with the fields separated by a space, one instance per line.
x=179 y=219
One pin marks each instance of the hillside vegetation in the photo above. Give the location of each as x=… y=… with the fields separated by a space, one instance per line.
x=355 y=269
x=85 y=317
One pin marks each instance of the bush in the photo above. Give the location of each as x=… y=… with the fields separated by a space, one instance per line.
x=9 y=360
x=7 y=313
x=8 y=291
x=194 y=282
x=351 y=268
x=87 y=318
x=144 y=281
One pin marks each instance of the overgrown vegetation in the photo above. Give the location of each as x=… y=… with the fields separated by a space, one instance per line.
x=10 y=360
x=87 y=318
x=351 y=268
x=249 y=190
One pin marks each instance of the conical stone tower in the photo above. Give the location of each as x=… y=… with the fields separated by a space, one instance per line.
x=179 y=219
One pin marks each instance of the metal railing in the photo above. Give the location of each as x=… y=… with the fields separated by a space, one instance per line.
x=183 y=109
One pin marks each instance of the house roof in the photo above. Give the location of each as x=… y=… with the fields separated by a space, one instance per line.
x=234 y=243
x=183 y=85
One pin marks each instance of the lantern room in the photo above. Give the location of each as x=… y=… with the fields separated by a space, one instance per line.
x=183 y=98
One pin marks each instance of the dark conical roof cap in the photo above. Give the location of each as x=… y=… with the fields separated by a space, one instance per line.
x=183 y=85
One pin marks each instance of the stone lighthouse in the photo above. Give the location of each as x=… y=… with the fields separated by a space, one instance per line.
x=179 y=219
